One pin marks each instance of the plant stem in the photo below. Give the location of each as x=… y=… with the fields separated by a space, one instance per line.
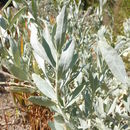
x=15 y=84
x=57 y=90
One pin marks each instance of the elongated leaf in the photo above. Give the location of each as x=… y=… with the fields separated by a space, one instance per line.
x=88 y=104
x=75 y=94
x=48 y=39
x=74 y=60
x=100 y=125
x=83 y=124
x=48 y=52
x=99 y=108
x=15 y=51
x=3 y=23
x=7 y=4
x=66 y=59
x=41 y=101
x=56 y=125
x=40 y=61
x=61 y=28
x=44 y=87
x=38 y=48
x=59 y=119
x=22 y=90
x=17 y=72
x=113 y=106
x=17 y=15
x=94 y=82
x=53 y=33
x=113 y=61
x=34 y=8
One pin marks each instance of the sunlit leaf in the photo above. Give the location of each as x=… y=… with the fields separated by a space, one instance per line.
x=15 y=51
x=48 y=39
x=59 y=119
x=83 y=124
x=99 y=108
x=41 y=101
x=61 y=28
x=38 y=48
x=113 y=106
x=48 y=52
x=100 y=124
x=56 y=125
x=44 y=87
x=75 y=94
x=66 y=59
x=40 y=61
x=112 y=58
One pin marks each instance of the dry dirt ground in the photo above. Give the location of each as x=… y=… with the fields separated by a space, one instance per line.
x=10 y=116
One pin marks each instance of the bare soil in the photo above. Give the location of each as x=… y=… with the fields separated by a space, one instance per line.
x=10 y=117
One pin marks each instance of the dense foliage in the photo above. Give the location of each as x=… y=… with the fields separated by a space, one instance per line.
x=71 y=64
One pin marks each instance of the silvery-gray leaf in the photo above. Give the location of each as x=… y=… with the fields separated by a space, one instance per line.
x=75 y=94
x=99 y=109
x=48 y=39
x=120 y=44
x=78 y=79
x=38 y=48
x=113 y=106
x=44 y=86
x=101 y=33
x=113 y=60
x=61 y=28
x=15 y=51
x=66 y=57
x=84 y=124
x=41 y=101
x=100 y=125
x=56 y=125
x=40 y=61
x=48 y=52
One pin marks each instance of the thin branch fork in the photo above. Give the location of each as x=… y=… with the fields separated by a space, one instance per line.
x=7 y=75
x=15 y=84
